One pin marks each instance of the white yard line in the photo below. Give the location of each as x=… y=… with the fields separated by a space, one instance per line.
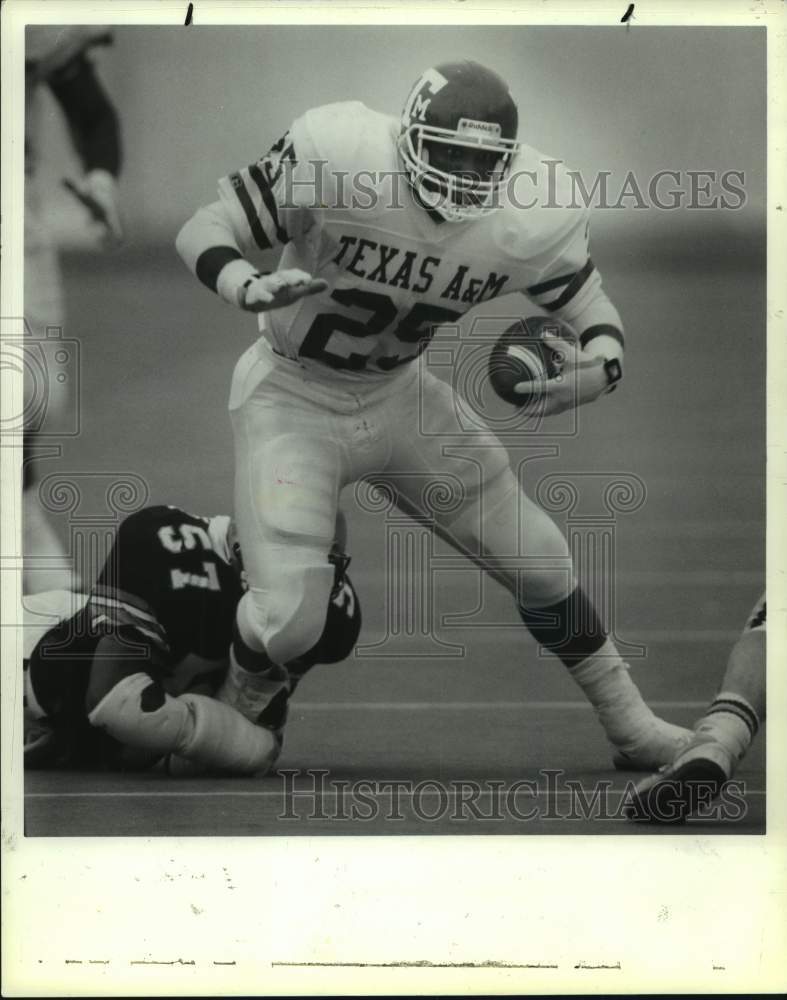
x=468 y=706
x=452 y=622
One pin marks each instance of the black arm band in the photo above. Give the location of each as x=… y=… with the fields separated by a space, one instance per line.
x=211 y=262
x=601 y=330
x=91 y=116
x=571 y=289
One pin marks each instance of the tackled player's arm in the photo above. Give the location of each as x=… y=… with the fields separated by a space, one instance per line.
x=253 y=214
x=131 y=705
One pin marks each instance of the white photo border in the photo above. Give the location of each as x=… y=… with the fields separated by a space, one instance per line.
x=145 y=916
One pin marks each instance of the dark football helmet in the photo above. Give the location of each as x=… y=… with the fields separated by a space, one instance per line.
x=458 y=139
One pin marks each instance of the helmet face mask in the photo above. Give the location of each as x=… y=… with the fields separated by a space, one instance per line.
x=463 y=193
x=458 y=139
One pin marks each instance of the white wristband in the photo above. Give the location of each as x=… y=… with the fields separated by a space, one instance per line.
x=232 y=278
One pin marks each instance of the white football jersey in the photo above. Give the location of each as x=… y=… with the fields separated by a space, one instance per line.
x=333 y=192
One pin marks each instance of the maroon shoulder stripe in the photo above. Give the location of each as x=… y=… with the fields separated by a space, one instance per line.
x=250 y=212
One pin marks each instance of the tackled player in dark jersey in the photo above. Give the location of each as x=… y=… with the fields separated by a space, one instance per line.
x=133 y=672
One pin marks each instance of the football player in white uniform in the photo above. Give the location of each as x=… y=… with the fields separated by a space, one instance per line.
x=722 y=736
x=391 y=228
x=58 y=57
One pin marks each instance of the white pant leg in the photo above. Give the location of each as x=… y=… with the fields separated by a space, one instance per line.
x=288 y=475
x=475 y=499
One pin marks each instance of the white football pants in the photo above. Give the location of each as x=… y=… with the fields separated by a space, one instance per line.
x=300 y=440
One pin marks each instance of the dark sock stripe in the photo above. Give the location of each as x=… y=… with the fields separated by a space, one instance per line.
x=738 y=708
x=571 y=628
x=740 y=704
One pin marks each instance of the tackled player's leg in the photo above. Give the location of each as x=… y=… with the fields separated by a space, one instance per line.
x=97 y=694
x=721 y=737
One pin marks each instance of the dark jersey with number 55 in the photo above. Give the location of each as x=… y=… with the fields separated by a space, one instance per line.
x=167 y=594
x=168 y=591
x=181 y=566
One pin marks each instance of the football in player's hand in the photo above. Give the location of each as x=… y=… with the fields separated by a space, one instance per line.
x=521 y=355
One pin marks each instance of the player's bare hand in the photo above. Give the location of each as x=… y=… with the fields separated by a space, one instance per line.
x=581 y=380
x=97 y=191
x=272 y=291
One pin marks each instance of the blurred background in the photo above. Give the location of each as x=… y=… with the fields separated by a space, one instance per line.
x=197 y=104
x=157 y=349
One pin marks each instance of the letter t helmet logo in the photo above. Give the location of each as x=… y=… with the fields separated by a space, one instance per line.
x=431 y=83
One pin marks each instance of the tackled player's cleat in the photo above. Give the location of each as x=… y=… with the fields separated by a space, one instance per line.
x=693 y=780
x=658 y=744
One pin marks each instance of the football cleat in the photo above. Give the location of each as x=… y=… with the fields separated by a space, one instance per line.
x=458 y=139
x=693 y=779
x=658 y=744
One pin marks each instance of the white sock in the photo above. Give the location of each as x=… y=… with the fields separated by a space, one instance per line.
x=731 y=721
x=605 y=680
